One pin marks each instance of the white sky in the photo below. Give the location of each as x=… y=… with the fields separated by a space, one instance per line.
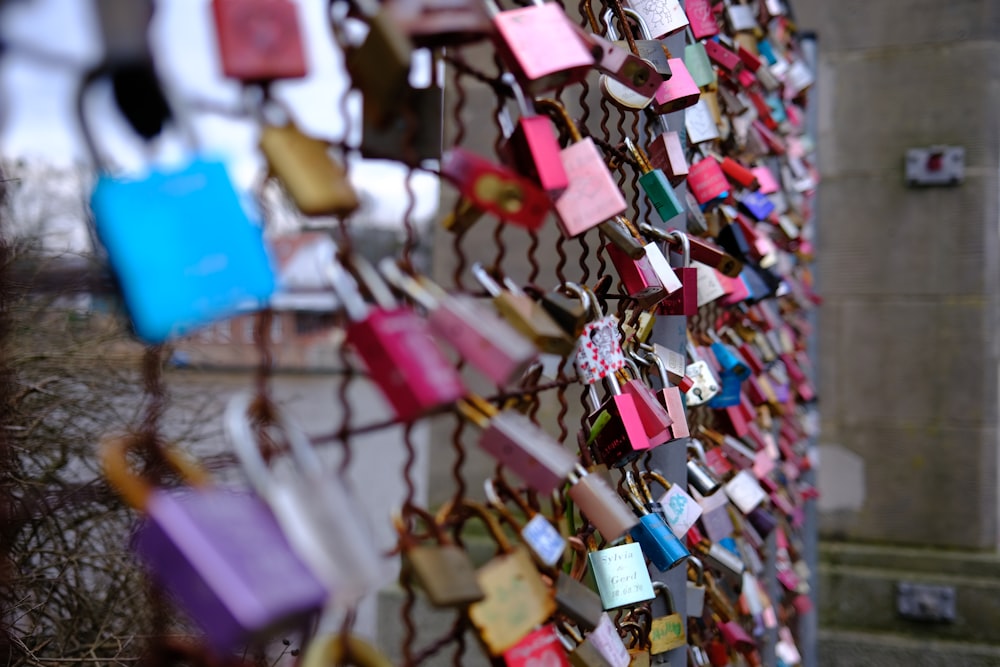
x=36 y=99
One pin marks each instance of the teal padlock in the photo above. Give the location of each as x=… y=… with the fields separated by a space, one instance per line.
x=655 y=185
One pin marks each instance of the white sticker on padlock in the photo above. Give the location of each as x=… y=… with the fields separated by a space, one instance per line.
x=661 y=267
x=680 y=510
x=709 y=286
x=599 y=350
x=543 y=540
x=607 y=642
x=745 y=491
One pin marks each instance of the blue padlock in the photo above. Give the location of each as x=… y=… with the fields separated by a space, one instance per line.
x=658 y=542
x=183 y=249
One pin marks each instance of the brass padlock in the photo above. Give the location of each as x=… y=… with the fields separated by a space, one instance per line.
x=516 y=598
x=443 y=569
x=314 y=181
x=667 y=632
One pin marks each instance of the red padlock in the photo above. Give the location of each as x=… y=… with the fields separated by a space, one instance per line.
x=701 y=18
x=495 y=188
x=532 y=147
x=259 y=40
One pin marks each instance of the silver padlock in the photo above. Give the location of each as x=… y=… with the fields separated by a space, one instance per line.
x=696 y=589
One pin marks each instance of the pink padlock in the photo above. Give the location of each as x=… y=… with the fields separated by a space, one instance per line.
x=707 y=181
x=701 y=18
x=678 y=92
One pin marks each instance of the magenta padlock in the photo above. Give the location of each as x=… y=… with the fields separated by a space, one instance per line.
x=707 y=181
x=637 y=276
x=593 y=196
x=483 y=338
x=396 y=346
x=734 y=635
x=616 y=431
x=220 y=554
x=655 y=419
x=678 y=92
x=518 y=443
x=685 y=300
x=723 y=57
x=540 y=45
x=532 y=147
x=701 y=18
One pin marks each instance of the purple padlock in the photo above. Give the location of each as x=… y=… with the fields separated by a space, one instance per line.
x=220 y=554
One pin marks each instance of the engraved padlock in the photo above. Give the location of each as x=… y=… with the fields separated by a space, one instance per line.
x=322 y=519
x=593 y=196
x=396 y=346
x=495 y=188
x=649 y=48
x=622 y=65
x=220 y=554
x=483 y=338
x=531 y=146
x=540 y=45
x=663 y=17
x=621 y=575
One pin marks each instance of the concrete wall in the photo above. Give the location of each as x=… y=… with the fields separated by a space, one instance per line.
x=908 y=336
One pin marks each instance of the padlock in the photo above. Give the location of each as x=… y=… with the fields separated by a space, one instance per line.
x=259 y=40
x=598 y=350
x=670 y=396
x=658 y=542
x=682 y=300
x=738 y=173
x=740 y=17
x=637 y=277
x=722 y=559
x=706 y=385
x=495 y=188
x=679 y=92
x=196 y=258
x=540 y=647
x=624 y=94
x=667 y=632
x=539 y=44
x=581 y=652
x=515 y=441
x=220 y=554
x=638 y=640
x=622 y=233
x=314 y=181
x=655 y=419
x=622 y=65
x=600 y=504
x=621 y=575
x=702 y=120
x=437 y=23
x=396 y=346
x=483 y=339
x=677 y=508
x=701 y=18
x=517 y=600
x=662 y=18
x=569 y=306
x=695 y=590
x=538 y=534
x=745 y=492
x=411 y=133
x=531 y=146
x=616 y=432
x=655 y=185
x=699 y=66
x=707 y=181
x=577 y=602
x=592 y=196
x=699 y=476
x=332 y=650
x=336 y=543
x=380 y=66
x=602 y=647
x=723 y=56
x=526 y=315
x=666 y=152
x=442 y=569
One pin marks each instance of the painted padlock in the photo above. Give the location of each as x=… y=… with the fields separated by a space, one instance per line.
x=220 y=554
x=396 y=346
x=495 y=188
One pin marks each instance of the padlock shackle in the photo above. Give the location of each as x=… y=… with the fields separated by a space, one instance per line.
x=243 y=438
x=547 y=104
x=133 y=489
x=345 y=287
x=413 y=288
x=633 y=494
x=401 y=520
x=484 y=278
x=494 y=501
x=373 y=282
x=699 y=569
